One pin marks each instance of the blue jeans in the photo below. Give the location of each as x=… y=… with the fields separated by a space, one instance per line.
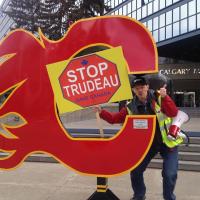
x=169 y=172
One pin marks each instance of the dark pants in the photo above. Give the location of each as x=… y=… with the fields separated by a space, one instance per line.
x=169 y=172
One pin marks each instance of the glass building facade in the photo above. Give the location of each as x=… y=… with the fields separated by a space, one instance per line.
x=170 y=21
x=166 y=19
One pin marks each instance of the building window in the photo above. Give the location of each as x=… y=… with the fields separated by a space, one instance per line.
x=139 y=14
x=149 y=24
x=184 y=26
x=139 y=3
x=134 y=5
x=169 y=17
x=112 y=3
x=120 y=11
x=155 y=6
x=162 y=20
x=125 y=10
x=155 y=35
x=150 y=8
x=184 y=11
x=192 y=23
x=168 y=31
x=176 y=29
x=155 y=23
x=162 y=4
x=198 y=7
x=129 y=7
x=134 y=15
x=168 y=2
x=162 y=34
x=144 y=11
x=198 y=21
x=192 y=7
x=176 y=14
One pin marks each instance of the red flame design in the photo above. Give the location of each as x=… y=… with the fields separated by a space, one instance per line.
x=23 y=67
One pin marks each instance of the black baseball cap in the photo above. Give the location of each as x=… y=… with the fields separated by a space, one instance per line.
x=139 y=81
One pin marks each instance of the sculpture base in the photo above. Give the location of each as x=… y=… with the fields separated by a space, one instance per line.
x=102 y=192
x=108 y=195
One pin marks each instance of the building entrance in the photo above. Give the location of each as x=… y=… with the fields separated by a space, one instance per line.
x=185 y=99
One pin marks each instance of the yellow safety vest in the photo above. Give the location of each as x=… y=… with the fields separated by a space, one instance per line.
x=164 y=124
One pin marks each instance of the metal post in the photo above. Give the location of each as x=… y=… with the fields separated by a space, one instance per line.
x=102 y=192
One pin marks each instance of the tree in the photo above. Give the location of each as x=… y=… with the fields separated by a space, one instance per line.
x=91 y=8
x=24 y=14
x=52 y=16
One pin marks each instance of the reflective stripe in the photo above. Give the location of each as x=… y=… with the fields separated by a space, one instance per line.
x=129 y=111
x=164 y=124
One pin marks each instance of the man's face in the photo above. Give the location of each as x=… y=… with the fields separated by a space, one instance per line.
x=141 y=91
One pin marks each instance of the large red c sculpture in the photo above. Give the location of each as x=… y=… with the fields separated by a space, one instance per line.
x=23 y=60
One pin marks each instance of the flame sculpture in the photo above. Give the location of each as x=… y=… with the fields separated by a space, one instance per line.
x=23 y=60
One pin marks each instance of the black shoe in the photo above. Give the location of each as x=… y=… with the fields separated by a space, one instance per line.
x=138 y=198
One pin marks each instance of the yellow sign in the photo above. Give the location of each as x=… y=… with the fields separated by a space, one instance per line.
x=90 y=80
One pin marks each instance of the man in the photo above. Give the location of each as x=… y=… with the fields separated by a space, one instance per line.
x=147 y=102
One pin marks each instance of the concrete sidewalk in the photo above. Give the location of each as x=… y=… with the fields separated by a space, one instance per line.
x=49 y=181
x=43 y=181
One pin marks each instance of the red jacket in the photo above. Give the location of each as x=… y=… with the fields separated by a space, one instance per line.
x=167 y=106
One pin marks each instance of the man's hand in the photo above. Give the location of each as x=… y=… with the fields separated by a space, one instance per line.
x=163 y=92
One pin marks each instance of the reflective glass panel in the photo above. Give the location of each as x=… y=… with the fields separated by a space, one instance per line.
x=198 y=6
x=134 y=14
x=139 y=3
x=120 y=11
x=129 y=7
x=155 y=23
x=139 y=14
x=184 y=26
x=168 y=31
x=112 y=3
x=162 y=20
x=176 y=29
x=155 y=5
x=169 y=17
x=150 y=8
x=168 y=2
x=125 y=10
x=198 y=21
x=144 y=11
x=149 y=25
x=192 y=7
x=155 y=35
x=192 y=23
x=184 y=11
x=176 y=14
x=162 y=34
x=134 y=5
x=162 y=4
